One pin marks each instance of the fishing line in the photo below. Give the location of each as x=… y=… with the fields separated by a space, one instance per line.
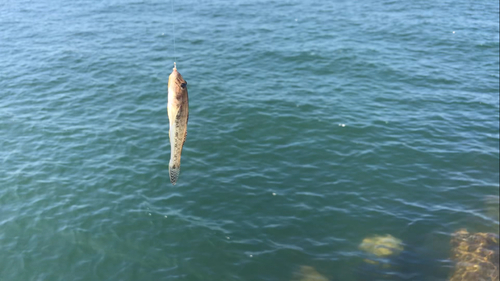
x=173 y=29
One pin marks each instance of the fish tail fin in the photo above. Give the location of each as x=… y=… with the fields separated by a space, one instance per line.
x=174 y=171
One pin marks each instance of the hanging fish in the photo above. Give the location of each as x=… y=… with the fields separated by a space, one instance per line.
x=178 y=114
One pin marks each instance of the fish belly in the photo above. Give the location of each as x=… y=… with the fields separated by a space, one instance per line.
x=177 y=138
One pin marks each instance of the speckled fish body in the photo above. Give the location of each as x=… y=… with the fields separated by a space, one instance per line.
x=178 y=114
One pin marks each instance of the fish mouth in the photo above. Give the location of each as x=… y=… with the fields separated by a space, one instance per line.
x=174 y=71
x=175 y=78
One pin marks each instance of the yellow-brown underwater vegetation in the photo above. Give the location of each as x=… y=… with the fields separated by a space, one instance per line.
x=476 y=256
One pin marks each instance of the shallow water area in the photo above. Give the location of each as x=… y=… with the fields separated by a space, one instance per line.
x=312 y=126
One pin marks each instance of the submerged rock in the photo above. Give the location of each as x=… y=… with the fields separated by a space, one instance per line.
x=308 y=273
x=476 y=256
x=382 y=252
x=382 y=246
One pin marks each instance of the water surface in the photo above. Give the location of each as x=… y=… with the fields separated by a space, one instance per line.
x=313 y=125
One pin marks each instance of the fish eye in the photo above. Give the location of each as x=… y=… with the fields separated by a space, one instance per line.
x=183 y=85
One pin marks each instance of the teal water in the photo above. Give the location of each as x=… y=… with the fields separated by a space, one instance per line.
x=313 y=125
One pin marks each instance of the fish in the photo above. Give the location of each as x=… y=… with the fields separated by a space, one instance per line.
x=178 y=115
